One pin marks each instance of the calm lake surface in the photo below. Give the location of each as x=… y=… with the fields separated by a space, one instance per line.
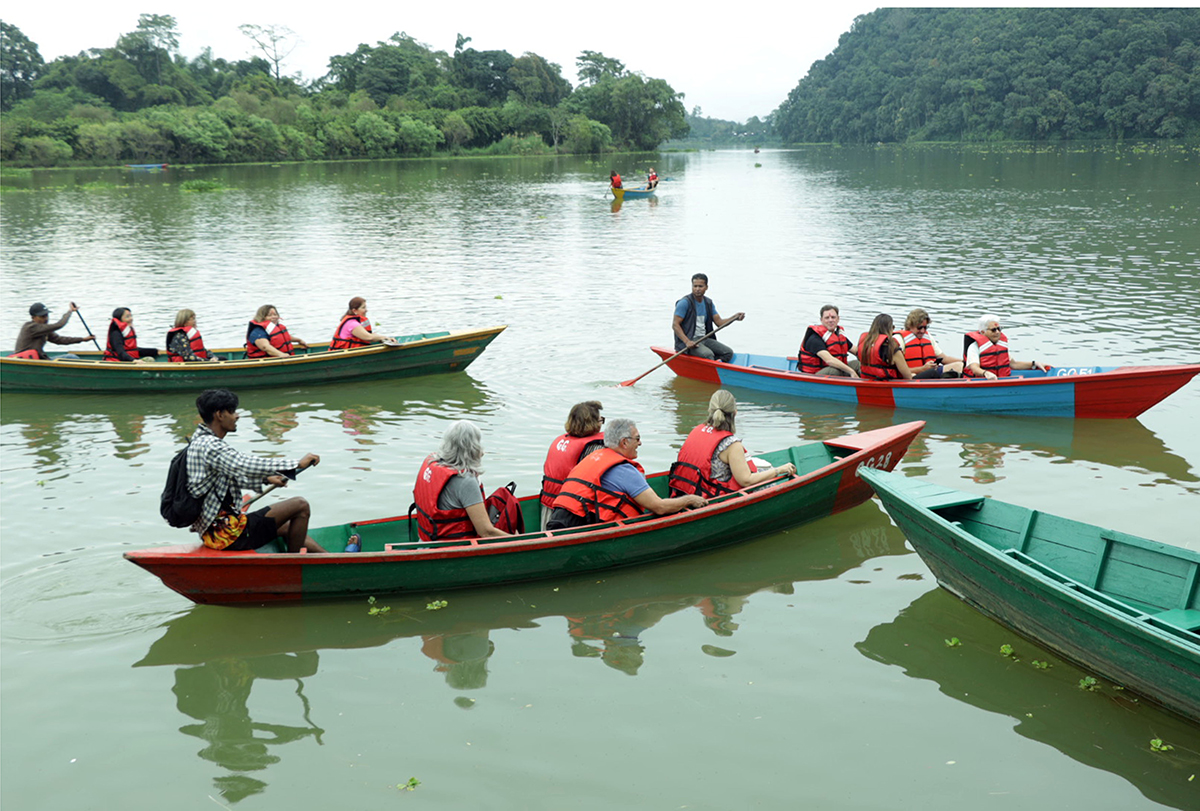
x=804 y=669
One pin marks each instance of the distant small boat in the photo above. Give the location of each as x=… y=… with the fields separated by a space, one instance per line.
x=147 y=166
x=632 y=194
x=1121 y=606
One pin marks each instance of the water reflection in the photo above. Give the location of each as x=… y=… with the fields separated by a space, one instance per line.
x=217 y=693
x=1106 y=730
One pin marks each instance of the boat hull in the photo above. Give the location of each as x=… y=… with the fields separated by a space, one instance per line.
x=828 y=482
x=632 y=194
x=1084 y=392
x=423 y=354
x=1104 y=626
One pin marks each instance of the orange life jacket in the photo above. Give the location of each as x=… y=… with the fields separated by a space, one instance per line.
x=352 y=341
x=692 y=472
x=434 y=524
x=993 y=355
x=582 y=494
x=918 y=349
x=193 y=336
x=565 y=453
x=130 y=340
x=277 y=334
x=870 y=361
x=836 y=342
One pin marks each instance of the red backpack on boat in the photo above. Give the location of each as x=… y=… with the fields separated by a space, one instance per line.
x=504 y=510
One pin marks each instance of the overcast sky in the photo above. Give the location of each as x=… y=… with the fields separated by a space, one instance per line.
x=734 y=62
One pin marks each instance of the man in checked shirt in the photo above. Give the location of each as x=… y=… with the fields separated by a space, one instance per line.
x=218 y=473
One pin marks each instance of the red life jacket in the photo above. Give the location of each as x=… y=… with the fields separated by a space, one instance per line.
x=616 y=181
x=993 y=356
x=130 y=339
x=918 y=349
x=836 y=342
x=565 y=453
x=692 y=472
x=352 y=341
x=869 y=360
x=582 y=494
x=434 y=524
x=28 y=354
x=193 y=336
x=277 y=334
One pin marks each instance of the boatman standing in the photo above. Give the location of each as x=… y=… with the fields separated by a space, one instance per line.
x=34 y=333
x=695 y=317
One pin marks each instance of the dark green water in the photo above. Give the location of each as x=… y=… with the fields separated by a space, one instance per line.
x=806 y=668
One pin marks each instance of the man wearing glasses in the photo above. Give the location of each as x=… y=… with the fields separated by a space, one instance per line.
x=987 y=352
x=920 y=347
x=609 y=484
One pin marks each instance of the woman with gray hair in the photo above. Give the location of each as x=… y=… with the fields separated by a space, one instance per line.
x=713 y=460
x=448 y=495
x=986 y=352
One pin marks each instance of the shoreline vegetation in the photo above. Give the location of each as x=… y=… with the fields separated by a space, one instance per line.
x=898 y=76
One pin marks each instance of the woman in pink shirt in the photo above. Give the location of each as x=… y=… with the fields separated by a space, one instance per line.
x=354 y=329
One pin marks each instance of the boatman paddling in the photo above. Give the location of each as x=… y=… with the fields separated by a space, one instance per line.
x=695 y=317
x=218 y=473
x=38 y=329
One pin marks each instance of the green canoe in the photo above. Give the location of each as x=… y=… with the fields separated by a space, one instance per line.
x=1115 y=604
x=426 y=353
x=827 y=481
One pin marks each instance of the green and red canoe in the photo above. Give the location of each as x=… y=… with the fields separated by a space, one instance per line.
x=421 y=354
x=827 y=482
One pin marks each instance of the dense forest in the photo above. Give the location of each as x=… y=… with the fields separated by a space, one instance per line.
x=140 y=101
x=979 y=74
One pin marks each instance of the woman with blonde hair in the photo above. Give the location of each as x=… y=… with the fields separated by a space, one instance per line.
x=184 y=342
x=713 y=459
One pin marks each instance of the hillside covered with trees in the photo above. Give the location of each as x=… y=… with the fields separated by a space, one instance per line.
x=140 y=101
x=979 y=74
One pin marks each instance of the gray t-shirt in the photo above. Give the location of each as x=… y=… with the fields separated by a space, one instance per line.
x=460 y=492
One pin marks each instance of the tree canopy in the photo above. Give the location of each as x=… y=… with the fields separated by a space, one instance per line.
x=141 y=101
x=979 y=74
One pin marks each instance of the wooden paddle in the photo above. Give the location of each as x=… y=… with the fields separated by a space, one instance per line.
x=85 y=326
x=246 y=506
x=677 y=354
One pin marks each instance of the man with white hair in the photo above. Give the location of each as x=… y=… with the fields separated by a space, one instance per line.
x=986 y=351
x=609 y=484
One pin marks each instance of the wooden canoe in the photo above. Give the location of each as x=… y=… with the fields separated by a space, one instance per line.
x=827 y=482
x=1117 y=605
x=1096 y=392
x=426 y=353
x=631 y=194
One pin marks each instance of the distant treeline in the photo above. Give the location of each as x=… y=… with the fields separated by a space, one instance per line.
x=140 y=101
x=978 y=74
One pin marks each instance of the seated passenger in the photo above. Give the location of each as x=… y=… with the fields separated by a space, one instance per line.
x=355 y=328
x=614 y=179
x=609 y=484
x=267 y=337
x=881 y=355
x=122 y=340
x=825 y=349
x=986 y=352
x=448 y=495
x=583 y=435
x=920 y=348
x=183 y=340
x=651 y=178
x=713 y=460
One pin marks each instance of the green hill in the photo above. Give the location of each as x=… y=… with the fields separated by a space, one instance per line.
x=981 y=74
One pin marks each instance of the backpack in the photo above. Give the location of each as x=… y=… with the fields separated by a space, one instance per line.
x=504 y=510
x=178 y=506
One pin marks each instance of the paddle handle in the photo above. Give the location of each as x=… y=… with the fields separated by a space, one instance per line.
x=246 y=506
x=677 y=354
x=85 y=326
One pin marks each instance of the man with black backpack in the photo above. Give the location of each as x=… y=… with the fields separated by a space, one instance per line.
x=217 y=473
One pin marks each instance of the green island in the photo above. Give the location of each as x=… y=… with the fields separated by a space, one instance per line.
x=897 y=76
